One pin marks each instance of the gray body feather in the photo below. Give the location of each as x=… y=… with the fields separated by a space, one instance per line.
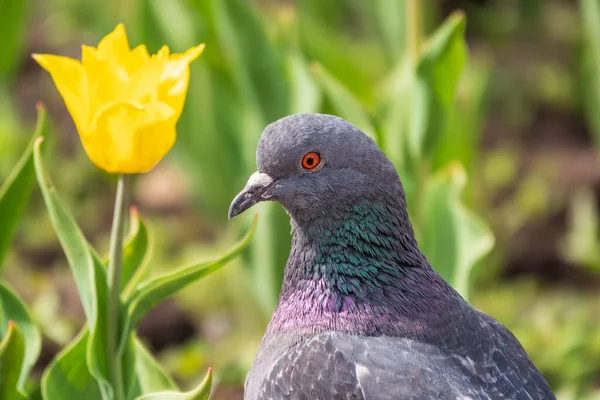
x=486 y=363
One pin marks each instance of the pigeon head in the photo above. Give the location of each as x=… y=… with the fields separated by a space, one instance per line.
x=317 y=165
x=353 y=247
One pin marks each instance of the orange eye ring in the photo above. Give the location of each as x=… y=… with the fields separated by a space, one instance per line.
x=311 y=160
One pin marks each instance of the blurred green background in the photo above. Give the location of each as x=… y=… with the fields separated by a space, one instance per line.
x=524 y=125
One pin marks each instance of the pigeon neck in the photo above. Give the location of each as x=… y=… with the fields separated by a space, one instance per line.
x=368 y=233
x=357 y=271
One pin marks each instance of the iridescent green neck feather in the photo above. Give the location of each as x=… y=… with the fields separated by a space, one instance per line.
x=360 y=270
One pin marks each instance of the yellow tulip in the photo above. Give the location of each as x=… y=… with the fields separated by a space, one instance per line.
x=125 y=103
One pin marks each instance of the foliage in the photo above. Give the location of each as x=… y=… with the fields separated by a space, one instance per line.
x=590 y=13
x=581 y=243
x=12 y=354
x=21 y=343
x=13 y=22
x=14 y=194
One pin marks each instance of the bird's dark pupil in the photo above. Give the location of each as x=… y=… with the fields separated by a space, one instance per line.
x=310 y=161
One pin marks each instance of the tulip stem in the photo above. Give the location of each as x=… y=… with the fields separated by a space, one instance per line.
x=115 y=263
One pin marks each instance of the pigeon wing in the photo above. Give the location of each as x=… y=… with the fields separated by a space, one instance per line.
x=485 y=363
x=343 y=367
x=335 y=365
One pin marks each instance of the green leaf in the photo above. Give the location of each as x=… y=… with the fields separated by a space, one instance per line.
x=146 y=296
x=136 y=254
x=142 y=373
x=460 y=141
x=12 y=353
x=259 y=69
x=159 y=22
x=33 y=394
x=68 y=376
x=15 y=191
x=581 y=244
x=13 y=23
x=452 y=237
x=436 y=77
x=71 y=239
x=200 y=393
x=150 y=375
x=88 y=272
x=13 y=309
x=354 y=63
x=131 y=387
x=444 y=57
x=343 y=101
x=590 y=14
x=96 y=347
x=391 y=25
x=306 y=96
x=396 y=103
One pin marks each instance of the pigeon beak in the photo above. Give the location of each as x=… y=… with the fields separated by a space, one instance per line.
x=254 y=192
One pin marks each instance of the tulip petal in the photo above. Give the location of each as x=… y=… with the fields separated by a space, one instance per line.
x=106 y=81
x=194 y=52
x=115 y=45
x=125 y=103
x=158 y=135
x=129 y=138
x=143 y=85
x=72 y=83
x=138 y=57
x=163 y=53
x=175 y=78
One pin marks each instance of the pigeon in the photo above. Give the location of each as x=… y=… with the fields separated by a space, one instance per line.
x=361 y=313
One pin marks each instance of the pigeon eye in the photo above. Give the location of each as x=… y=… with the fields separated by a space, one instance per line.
x=311 y=160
